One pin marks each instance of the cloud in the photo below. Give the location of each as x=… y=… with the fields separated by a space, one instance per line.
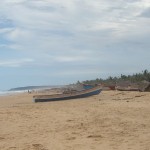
x=78 y=34
x=15 y=63
x=5 y=30
x=67 y=18
x=146 y=13
x=69 y=59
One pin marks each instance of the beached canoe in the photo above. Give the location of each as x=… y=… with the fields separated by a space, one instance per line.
x=74 y=95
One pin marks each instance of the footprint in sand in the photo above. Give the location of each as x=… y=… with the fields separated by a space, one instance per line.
x=38 y=147
x=1 y=138
x=94 y=136
x=71 y=138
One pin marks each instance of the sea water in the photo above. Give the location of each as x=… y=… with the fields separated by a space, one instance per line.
x=5 y=93
x=12 y=92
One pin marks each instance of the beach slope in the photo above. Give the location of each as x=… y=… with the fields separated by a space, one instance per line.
x=112 y=120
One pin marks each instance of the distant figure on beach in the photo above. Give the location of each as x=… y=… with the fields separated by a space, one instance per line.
x=29 y=91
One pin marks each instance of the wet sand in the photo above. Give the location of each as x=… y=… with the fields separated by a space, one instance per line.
x=112 y=120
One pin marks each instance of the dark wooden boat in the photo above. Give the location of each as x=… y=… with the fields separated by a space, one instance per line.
x=71 y=95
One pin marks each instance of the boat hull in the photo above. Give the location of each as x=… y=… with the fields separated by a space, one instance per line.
x=81 y=94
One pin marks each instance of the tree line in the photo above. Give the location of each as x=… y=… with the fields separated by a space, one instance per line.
x=135 y=78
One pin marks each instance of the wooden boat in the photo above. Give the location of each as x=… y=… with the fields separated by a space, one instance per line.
x=74 y=95
x=87 y=86
x=127 y=89
x=133 y=89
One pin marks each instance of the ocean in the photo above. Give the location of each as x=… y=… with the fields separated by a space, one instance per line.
x=5 y=93
x=26 y=89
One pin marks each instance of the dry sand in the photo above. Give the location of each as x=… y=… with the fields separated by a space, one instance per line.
x=112 y=120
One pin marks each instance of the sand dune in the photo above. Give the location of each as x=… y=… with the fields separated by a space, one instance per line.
x=112 y=120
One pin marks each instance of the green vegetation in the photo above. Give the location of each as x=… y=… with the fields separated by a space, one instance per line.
x=135 y=78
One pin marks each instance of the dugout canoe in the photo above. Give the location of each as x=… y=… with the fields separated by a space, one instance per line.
x=69 y=96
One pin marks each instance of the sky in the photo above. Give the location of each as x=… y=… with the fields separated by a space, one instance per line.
x=56 y=42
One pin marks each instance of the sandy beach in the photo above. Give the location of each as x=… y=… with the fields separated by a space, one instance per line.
x=112 y=120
